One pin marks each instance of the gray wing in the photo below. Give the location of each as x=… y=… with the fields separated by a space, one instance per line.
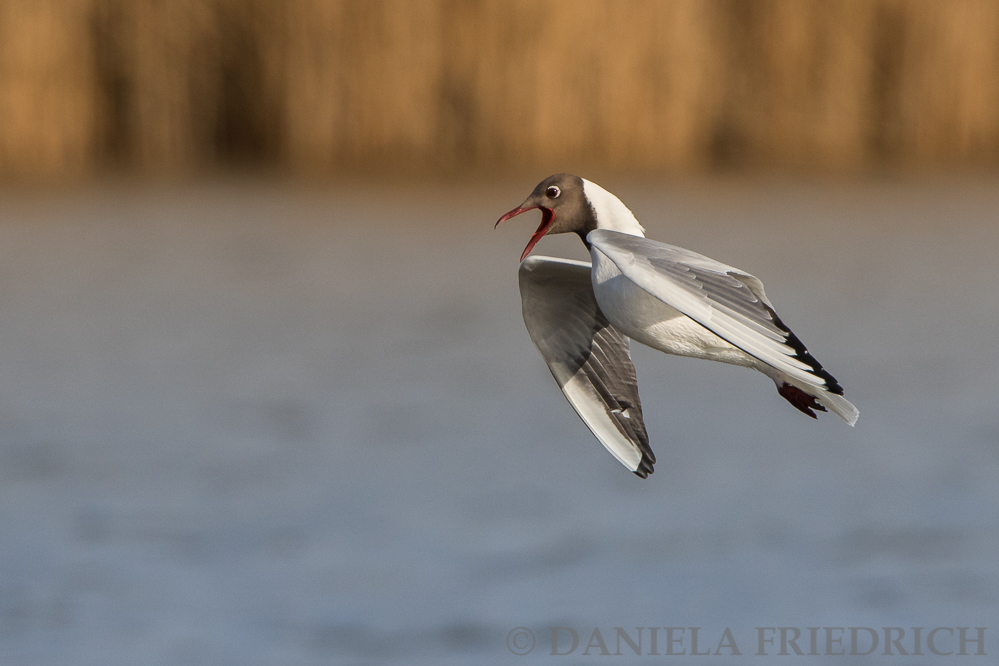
x=727 y=301
x=587 y=356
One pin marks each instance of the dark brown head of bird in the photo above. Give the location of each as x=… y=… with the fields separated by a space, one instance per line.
x=564 y=208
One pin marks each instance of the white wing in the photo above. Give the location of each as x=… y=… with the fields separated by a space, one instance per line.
x=728 y=302
x=587 y=356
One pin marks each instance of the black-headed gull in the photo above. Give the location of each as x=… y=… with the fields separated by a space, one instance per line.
x=581 y=316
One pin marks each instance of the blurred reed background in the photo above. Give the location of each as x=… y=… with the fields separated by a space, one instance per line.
x=246 y=421
x=329 y=86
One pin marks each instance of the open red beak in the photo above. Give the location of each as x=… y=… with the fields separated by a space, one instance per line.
x=547 y=217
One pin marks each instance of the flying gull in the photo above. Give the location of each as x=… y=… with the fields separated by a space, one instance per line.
x=582 y=315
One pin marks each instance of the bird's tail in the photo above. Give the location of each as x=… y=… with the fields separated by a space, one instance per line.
x=806 y=398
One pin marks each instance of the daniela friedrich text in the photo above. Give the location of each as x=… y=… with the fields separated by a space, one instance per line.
x=760 y=641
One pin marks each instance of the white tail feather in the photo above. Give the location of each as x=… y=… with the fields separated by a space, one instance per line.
x=837 y=404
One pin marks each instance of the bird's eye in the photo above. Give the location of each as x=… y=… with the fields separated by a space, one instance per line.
x=553 y=192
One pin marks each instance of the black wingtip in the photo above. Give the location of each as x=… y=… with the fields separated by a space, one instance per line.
x=645 y=467
x=804 y=356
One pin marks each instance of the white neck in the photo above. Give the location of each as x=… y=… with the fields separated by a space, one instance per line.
x=611 y=213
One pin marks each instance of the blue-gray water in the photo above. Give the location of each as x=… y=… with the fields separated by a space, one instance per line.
x=245 y=424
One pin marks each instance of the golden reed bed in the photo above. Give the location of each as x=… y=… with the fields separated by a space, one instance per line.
x=642 y=86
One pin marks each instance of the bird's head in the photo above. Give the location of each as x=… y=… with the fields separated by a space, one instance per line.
x=564 y=208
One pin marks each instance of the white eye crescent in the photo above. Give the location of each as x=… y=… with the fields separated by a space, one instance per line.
x=553 y=192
